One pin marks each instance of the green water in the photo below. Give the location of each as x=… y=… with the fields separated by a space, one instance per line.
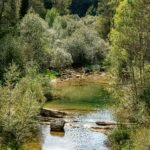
x=80 y=96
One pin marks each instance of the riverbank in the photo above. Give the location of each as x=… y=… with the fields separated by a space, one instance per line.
x=79 y=75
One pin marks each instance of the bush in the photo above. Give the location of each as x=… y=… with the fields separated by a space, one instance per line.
x=119 y=138
x=20 y=103
x=60 y=59
x=86 y=47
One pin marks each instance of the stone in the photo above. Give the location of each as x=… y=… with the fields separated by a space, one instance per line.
x=106 y=123
x=52 y=113
x=57 y=125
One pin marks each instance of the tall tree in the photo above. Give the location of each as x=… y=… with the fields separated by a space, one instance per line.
x=130 y=53
x=34 y=34
x=62 y=6
x=38 y=7
x=105 y=11
x=9 y=13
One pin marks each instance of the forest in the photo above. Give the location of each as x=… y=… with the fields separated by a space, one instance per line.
x=42 y=39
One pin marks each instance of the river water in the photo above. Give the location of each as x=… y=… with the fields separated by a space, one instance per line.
x=87 y=102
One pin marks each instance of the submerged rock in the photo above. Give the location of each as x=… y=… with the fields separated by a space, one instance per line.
x=57 y=125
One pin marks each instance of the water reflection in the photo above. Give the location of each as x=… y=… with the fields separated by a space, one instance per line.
x=74 y=139
x=58 y=134
x=77 y=136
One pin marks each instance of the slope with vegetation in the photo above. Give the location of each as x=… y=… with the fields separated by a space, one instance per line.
x=37 y=36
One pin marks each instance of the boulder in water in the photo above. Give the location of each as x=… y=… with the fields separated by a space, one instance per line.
x=57 y=125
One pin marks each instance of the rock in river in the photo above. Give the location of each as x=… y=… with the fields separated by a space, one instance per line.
x=52 y=113
x=106 y=123
x=57 y=125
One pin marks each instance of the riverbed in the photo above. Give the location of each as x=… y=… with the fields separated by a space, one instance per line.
x=87 y=101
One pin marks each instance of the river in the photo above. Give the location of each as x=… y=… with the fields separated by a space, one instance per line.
x=87 y=101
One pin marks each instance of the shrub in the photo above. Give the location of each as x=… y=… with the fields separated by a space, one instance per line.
x=20 y=103
x=60 y=59
x=86 y=47
x=119 y=138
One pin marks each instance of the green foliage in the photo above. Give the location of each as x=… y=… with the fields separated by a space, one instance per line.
x=107 y=7
x=86 y=47
x=38 y=7
x=128 y=55
x=66 y=25
x=9 y=12
x=67 y=40
x=12 y=75
x=144 y=98
x=105 y=11
x=60 y=59
x=10 y=51
x=125 y=37
x=77 y=37
x=129 y=64
x=52 y=74
x=141 y=138
x=120 y=138
x=62 y=6
x=19 y=106
x=51 y=15
x=102 y=26
x=35 y=29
